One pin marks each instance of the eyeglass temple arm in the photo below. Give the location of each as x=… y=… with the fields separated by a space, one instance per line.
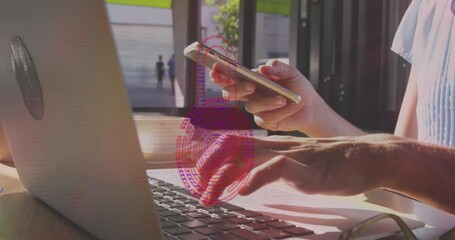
x=352 y=233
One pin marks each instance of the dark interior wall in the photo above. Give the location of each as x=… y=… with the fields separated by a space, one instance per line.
x=348 y=58
x=381 y=76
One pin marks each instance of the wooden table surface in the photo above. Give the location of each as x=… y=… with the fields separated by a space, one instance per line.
x=23 y=216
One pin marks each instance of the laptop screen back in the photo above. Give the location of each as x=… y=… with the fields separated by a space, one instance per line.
x=64 y=109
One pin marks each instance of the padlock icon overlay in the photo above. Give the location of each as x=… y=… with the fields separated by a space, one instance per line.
x=215 y=156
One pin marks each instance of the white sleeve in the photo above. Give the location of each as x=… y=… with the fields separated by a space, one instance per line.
x=403 y=42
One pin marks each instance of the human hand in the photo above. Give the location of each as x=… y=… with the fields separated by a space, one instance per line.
x=225 y=165
x=332 y=166
x=273 y=112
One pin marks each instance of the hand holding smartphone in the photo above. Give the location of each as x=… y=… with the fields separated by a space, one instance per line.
x=202 y=54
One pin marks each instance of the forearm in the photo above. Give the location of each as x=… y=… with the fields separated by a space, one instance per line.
x=350 y=165
x=327 y=123
x=427 y=174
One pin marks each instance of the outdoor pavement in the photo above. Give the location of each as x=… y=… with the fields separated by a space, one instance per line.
x=143 y=92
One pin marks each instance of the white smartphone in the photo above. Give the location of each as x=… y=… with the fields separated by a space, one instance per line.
x=204 y=55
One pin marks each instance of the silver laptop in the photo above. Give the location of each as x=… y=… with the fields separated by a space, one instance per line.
x=67 y=119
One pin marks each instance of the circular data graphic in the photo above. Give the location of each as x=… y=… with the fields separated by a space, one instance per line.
x=215 y=157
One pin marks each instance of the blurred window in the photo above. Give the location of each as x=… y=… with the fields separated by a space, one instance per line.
x=143 y=31
x=272 y=31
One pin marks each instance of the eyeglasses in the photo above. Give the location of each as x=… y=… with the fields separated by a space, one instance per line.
x=355 y=232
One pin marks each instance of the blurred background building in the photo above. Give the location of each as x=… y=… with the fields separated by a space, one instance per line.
x=342 y=46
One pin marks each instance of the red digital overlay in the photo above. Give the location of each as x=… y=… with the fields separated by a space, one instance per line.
x=216 y=155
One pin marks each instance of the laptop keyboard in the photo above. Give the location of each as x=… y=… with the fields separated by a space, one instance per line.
x=182 y=217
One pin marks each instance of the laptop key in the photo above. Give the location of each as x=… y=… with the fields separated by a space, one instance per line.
x=246 y=234
x=185 y=209
x=280 y=225
x=275 y=233
x=196 y=205
x=264 y=219
x=229 y=207
x=174 y=205
x=164 y=201
x=178 y=196
x=184 y=191
x=298 y=231
x=163 y=183
x=169 y=237
x=169 y=193
x=224 y=236
x=211 y=220
x=173 y=187
x=156 y=194
x=167 y=224
x=168 y=213
x=187 y=201
x=160 y=208
x=226 y=215
x=239 y=220
x=248 y=213
x=179 y=218
x=226 y=226
x=255 y=226
x=193 y=236
x=211 y=209
x=159 y=190
x=197 y=215
x=157 y=197
x=194 y=224
x=177 y=230
x=208 y=230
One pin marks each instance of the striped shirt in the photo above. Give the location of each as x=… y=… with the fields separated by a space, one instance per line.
x=426 y=38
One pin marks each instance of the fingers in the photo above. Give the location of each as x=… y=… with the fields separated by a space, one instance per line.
x=275 y=169
x=296 y=174
x=224 y=164
x=225 y=150
x=277 y=114
x=261 y=103
x=270 y=125
x=239 y=91
x=233 y=90
x=224 y=177
x=213 y=159
x=263 y=175
x=218 y=78
x=276 y=68
x=271 y=119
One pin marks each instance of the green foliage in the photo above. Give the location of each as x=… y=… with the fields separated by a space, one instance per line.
x=228 y=18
